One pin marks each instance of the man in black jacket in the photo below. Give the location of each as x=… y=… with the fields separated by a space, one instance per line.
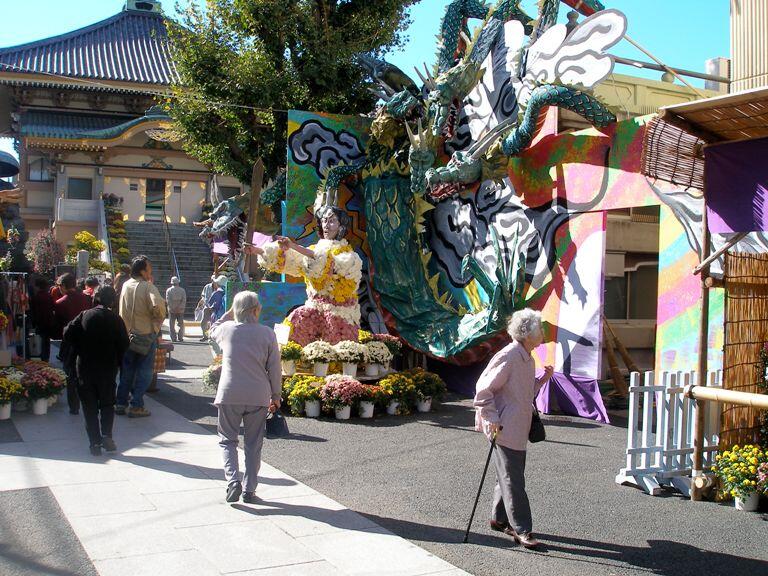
x=99 y=339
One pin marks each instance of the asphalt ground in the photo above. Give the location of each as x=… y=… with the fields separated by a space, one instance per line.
x=418 y=475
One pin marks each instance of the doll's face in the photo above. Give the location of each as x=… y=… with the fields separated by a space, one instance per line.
x=330 y=223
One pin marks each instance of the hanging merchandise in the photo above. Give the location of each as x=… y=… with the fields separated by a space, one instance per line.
x=14 y=299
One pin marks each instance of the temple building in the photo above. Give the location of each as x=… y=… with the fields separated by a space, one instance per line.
x=81 y=109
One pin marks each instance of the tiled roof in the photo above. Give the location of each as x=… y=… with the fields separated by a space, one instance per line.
x=130 y=47
x=79 y=126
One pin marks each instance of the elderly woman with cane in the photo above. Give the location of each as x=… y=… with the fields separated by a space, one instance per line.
x=249 y=388
x=504 y=403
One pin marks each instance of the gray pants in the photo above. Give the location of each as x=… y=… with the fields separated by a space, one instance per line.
x=174 y=319
x=254 y=420
x=510 y=500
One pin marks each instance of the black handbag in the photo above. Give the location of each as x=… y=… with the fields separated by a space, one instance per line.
x=537 y=432
x=277 y=427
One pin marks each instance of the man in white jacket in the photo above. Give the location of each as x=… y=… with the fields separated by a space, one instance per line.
x=176 y=300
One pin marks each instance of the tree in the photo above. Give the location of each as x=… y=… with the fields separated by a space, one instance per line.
x=272 y=55
x=45 y=252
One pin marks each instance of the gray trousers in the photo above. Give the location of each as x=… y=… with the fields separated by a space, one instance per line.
x=254 y=419
x=510 y=501
x=174 y=319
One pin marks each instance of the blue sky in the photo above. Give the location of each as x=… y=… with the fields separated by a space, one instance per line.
x=682 y=33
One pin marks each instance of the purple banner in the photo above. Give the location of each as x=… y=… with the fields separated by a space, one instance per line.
x=736 y=185
x=573 y=395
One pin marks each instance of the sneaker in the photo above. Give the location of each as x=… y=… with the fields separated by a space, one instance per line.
x=120 y=410
x=250 y=498
x=108 y=444
x=527 y=539
x=233 y=491
x=137 y=412
x=95 y=450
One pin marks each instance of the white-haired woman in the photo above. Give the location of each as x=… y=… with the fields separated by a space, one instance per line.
x=249 y=388
x=504 y=403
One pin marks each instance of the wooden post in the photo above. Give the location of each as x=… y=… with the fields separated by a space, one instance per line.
x=257 y=179
x=698 y=427
x=618 y=378
x=623 y=352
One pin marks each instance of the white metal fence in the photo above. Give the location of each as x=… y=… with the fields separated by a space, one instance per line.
x=660 y=430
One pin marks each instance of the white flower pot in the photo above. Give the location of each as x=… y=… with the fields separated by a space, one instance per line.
x=312 y=408
x=289 y=367
x=371 y=369
x=366 y=409
x=381 y=369
x=321 y=369
x=349 y=369
x=424 y=405
x=748 y=504
x=40 y=407
x=5 y=411
x=343 y=413
x=392 y=407
x=21 y=405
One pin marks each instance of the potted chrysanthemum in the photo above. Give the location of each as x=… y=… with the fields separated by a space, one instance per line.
x=10 y=391
x=377 y=355
x=429 y=387
x=320 y=354
x=393 y=343
x=400 y=391
x=290 y=353
x=373 y=395
x=339 y=393
x=350 y=354
x=212 y=375
x=304 y=395
x=41 y=382
x=737 y=470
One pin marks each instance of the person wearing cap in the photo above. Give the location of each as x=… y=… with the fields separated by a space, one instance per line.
x=216 y=301
x=176 y=300
x=205 y=312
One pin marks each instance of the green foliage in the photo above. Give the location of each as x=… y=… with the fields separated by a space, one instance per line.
x=86 y=241
x=275 y=56
x=428 y=384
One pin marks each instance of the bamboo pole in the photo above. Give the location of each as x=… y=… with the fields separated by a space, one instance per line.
x=759 y=401
x=619 y=385
x=257 y=179
x=667 y=68
x=698 y=425
x=623 y=352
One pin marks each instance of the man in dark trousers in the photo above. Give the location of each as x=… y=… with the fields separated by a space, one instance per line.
x=66 y=309
x=41 y=308
x=99 y=340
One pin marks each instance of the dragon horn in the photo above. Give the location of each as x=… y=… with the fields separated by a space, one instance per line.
x=432 y=83
x=423 y=80
x=422 y=135
x=379 y=94
x=467 y=39
x=410 y=134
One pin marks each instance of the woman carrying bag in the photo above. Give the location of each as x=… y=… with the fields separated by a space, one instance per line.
x=504 y=403
x=249 y=389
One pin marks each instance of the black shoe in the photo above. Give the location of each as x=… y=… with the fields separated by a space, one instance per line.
x=250 y=498
x=233 y=492
x=204 y=339
x=108 y=444
x=95 y=450
x=120 y=410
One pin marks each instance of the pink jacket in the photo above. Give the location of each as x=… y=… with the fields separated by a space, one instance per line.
x=504 y=395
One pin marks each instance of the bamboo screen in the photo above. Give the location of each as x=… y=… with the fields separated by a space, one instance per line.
x=746 y=331
x=672 y=154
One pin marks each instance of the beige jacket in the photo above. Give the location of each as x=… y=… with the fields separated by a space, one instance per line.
x=145 y=313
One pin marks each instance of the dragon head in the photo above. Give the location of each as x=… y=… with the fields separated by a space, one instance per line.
x=403 y=106
x=421 y=155
x=448 y=180
x=451 y=88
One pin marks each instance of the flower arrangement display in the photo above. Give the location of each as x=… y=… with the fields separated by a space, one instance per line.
x=394 y=343
x=400 y=388
x=10 y=390
x=41 y=380
x=377 y=353
x=339 y=391
x=363 y=336
x=303 y=389
x=212 y=375
x=290 y=351
x=45 y=252
x=350 y=352
x=318 y=352
x=428 y=384
x=737 y=470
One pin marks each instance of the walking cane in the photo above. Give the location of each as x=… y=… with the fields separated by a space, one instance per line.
x=480 y=488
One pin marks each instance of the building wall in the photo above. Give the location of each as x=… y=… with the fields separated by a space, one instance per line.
x=749 y=44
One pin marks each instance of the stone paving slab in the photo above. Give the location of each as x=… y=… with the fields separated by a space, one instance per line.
x=166 y=485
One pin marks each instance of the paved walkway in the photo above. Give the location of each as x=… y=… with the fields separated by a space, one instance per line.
x=157 y=507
